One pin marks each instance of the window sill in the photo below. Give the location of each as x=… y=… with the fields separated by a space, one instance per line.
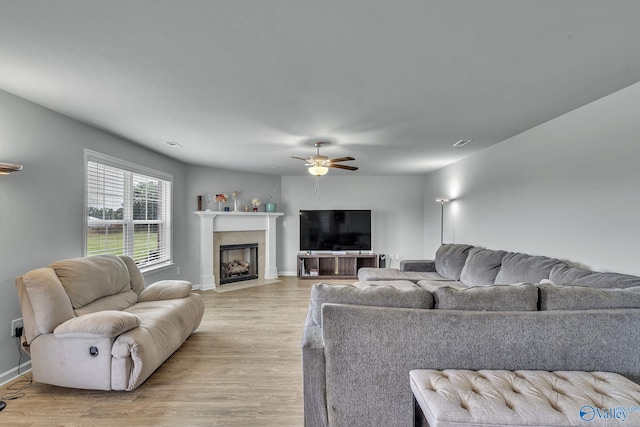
x=156 y=268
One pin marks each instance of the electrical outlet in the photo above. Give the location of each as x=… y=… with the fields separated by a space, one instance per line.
x=15 y=324
x=177 y=271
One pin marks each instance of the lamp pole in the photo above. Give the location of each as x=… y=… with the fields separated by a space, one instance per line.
x=442 y=201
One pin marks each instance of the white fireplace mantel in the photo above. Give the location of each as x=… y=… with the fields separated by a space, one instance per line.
x=212 y=221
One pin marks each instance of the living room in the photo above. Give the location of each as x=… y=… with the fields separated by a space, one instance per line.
x=563 y=187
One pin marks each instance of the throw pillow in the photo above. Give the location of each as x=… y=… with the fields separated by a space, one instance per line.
x=165 y=289
x=450 y=259
x=521 y=297
x=554 y=297
x=481 y=267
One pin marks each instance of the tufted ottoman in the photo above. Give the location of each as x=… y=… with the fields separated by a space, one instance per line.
x=524 y=398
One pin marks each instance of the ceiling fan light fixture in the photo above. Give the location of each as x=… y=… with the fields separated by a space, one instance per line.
x=318 y=170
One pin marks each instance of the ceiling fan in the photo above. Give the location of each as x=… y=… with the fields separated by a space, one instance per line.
x=319 y=165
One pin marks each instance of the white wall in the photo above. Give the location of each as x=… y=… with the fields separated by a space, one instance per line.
x=41 y=208
x=396 y=203
x=567 y=189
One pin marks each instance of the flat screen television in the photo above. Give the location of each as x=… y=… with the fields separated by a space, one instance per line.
x=335 y=230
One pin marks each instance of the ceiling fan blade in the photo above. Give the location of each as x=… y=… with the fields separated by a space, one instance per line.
x=341 y=159
x=349 y=168
x=300 y=158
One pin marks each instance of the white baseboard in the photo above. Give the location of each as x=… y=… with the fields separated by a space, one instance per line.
x=14 y=373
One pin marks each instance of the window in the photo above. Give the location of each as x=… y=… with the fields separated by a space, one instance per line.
x=128 y=211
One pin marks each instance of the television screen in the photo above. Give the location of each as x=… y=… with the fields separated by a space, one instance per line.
x=335 y=230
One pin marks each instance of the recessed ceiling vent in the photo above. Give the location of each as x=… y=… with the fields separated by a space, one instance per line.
x=462 y=142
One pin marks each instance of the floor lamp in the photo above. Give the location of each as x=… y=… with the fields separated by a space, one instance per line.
x=442 y=201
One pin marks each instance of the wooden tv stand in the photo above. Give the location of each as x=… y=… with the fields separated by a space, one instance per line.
x=327 y=266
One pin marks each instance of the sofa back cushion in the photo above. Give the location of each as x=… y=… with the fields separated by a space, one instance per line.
x=554 y=297
x=565 y=275
x=520 y=297
x=450 y=259
x=382 y=296
x=481 y=267
x=48 y=304
x=518 y=268
x=88 y=279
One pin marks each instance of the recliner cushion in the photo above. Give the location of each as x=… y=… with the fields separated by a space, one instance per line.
x=481 y=267
x=50 y=302
x=88 y=279
x=450 y=259
x=519 y=268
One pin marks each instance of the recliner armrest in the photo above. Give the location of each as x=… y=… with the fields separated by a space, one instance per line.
x=107 y=323
x=422 y=265
x=164 y=290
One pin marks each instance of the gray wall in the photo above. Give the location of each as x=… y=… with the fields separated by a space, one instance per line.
x=201 y=180
x=41 y=208
x=396 y=204
x=567 y=189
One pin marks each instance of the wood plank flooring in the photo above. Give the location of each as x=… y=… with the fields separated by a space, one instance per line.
x=242 y=367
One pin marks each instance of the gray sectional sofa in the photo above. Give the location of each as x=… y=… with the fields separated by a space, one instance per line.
x=470 y=308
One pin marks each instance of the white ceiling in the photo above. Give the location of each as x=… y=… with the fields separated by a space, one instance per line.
x=246 y=84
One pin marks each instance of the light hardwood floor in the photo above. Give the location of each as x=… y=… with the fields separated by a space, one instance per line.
x=242 y=367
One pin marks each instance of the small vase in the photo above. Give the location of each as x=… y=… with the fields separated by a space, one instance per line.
x=220 y=206
x=236 y=205
x=255 y=209
x=270 y=207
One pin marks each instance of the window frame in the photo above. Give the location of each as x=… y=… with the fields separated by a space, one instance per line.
x=130 y=169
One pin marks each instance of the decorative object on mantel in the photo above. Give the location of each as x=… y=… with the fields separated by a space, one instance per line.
x=200 y=203
x=221 y=198
x=236 y=202
x=210 y=199
x=255 y=202
x=246 y=208
x=270 y=206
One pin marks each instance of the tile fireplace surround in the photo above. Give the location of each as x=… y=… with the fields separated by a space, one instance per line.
x=215 y=221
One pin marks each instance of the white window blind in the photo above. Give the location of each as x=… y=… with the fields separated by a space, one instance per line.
x=128 y=211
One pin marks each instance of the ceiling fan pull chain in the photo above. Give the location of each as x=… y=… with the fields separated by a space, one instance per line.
x=317 y=188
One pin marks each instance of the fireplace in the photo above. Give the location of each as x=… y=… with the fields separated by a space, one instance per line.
x=238 y=262
x=224 y=228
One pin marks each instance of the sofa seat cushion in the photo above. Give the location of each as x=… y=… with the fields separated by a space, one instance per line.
x=463 y=398
x=481 y=267
x=565 y=275
x=431 y=285
x=522 y=297
x=164 y=326
x=368 y=274
x=88 y=279
x=112 y=302
x=519 y=268
x=381 y=296
x=450 y=259
x=558 y=297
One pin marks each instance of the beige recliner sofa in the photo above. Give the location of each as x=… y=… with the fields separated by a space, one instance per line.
x=90 y=322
